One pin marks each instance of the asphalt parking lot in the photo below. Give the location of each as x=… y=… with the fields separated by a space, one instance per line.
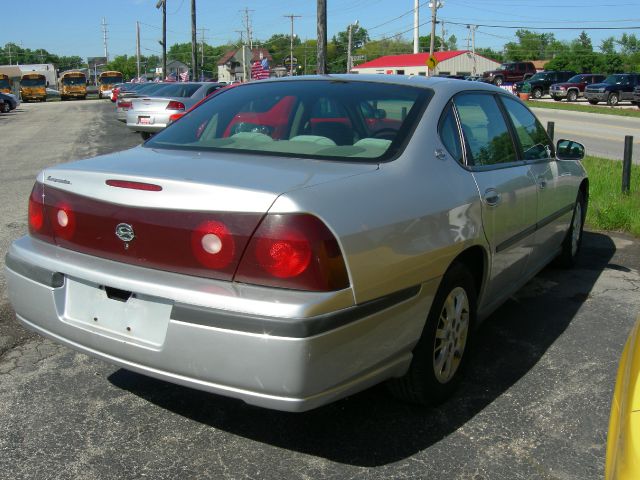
x=534 y=405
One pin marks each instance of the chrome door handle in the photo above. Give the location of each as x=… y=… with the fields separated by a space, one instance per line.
x=542 y=183
x=492 y=197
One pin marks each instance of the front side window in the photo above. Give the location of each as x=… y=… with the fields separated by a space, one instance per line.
x=316 y=119
x=485 y=131
x=533 y=139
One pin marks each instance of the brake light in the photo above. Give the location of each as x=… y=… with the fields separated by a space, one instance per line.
x=293 y=251
x=148 y=187
x=38 y=224
x=124 y=104
x=174 y=105
x=175 y=116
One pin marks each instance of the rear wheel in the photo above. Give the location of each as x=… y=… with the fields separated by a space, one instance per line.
x=573 y=241
x=613 y=99
x=6 y=108
x=441 y=353
x=537 y=93
x=572 y=96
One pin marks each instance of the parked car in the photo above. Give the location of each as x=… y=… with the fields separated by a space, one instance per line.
x=636 y=96
x=136 y=90
x=615 y=88
x=542 y=81
x=573 y=88
x=10 y=100
x=292 y=241
x=509 y=72
x=149 y=115
x=623 y=449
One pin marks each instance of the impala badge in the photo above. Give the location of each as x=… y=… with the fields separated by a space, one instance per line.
x=125 y=232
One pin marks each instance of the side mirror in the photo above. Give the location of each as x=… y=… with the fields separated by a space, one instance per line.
x=569 y=150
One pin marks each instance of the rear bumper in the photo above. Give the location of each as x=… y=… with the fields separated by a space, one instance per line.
x=273 y=348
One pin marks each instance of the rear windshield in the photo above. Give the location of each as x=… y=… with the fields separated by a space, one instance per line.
x=32 y=82
x=176 y=90
x=315 y=118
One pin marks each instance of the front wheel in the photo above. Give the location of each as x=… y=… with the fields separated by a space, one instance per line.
x=573 y=240
x=497 y=81
x=613 y=99
x=6 y=108
x=537 y=93
x=572 y=96
x=442 y=352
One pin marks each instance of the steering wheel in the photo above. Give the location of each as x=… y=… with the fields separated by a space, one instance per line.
x=385 y=134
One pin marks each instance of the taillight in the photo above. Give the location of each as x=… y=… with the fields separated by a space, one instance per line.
x=39 y=226
x=175 y=116
x=173 y=105
x=63 y=220
x=213 y=245
x=123 y=104
x=293 y=251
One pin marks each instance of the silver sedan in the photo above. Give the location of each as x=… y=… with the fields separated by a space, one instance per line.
x=149 y=115
x=291 y=242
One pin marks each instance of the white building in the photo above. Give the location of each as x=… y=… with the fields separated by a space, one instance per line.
x=457 y=62
x=46 y=69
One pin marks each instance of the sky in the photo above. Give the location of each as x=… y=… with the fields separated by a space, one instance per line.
x=73 y=27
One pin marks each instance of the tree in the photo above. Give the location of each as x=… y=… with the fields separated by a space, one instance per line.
x=451 y=43
x=425 y=43
x=608 y=45
x=629 y=44
x=491 y=54
x=531 y=46
x=359 y=38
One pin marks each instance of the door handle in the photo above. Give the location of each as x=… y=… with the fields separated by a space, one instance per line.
x=542 y=183
x=492 y=197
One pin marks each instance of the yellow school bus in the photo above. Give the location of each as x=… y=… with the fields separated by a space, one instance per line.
x=73 y=85
x=5 y=83
x=106 y=81
x=33 y=86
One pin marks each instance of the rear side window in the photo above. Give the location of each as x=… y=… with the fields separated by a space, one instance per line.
x=449 y=134
x=533 y=139
x=485 y=131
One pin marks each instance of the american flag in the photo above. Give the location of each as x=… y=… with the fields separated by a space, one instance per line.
x=184 y=76
x=260 y=69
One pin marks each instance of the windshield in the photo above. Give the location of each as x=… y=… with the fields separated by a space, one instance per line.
x=74 y=81
x=33 y=82
x=111 y=80
x=576 y=79
x=615 y=79
x=316 y=119
x=176 y=90
x=539 y=76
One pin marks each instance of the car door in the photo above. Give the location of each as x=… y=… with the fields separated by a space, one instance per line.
x=506 y=188
x=554 y=192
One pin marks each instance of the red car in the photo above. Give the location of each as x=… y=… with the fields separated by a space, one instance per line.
x=574 y=87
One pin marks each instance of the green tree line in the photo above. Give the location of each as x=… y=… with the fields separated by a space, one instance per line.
x=611 y=56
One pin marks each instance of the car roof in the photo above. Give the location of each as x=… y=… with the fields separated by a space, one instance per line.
x=438 y=84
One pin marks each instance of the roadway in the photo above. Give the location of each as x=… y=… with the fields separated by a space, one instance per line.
x=601 y=134
x=534 y=405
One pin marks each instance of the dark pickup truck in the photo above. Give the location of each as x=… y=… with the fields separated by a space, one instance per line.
x=541 y=82
x=615 y=88
x=574 y=87
x=509 y=72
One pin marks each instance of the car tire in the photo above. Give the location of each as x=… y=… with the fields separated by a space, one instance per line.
x=572 y=96
x=573 y=240
x=497 y=81
x=435 y=370
x=613 y=99
x=146 y=135
x=593 y=102
x=6 y=108
x=100 y=95
x=536 y=93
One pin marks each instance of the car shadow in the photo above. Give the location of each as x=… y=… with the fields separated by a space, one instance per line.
x=372 y=428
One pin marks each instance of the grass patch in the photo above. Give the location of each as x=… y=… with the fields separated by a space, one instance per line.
x=609 y=209
x=574 y=107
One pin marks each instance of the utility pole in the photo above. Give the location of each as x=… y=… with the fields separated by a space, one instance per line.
x=244 y=60
x=163 y=4
x=291 y=17
x=202 y=30
x=435 y=4
x=194 y=41
x=104 y=38
x=10 y=55
x=416 y=23
x=443 y=35
x=321 y=66
x=349 y=46
x=138 y=48
x=247 y=22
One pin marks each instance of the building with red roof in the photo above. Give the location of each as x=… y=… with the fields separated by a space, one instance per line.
x=456 y=62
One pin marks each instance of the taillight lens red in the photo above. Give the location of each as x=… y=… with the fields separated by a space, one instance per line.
x=63 y=219
x=293 y=251
x=213 y=244
x=173 y=105
x=38 y=226
x=123 y=104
